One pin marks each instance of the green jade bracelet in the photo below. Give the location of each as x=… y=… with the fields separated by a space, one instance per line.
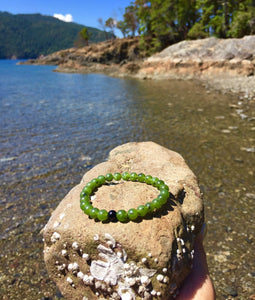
x=122 y=215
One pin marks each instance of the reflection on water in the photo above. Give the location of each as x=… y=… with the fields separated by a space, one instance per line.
x=55 y=127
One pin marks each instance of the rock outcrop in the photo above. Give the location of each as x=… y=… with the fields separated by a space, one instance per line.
x=211 y=56
x=141 y=259
x=223 y=64
x=104 y=57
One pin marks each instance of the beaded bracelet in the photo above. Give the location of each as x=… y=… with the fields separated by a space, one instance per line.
x=122 y=215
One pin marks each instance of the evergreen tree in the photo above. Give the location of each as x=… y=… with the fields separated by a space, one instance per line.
x=84 y=36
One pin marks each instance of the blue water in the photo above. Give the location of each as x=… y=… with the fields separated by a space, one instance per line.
x=55 y=127
x=52 y=116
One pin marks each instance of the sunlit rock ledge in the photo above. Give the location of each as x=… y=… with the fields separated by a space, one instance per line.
x=144 y=259
x=225 y=64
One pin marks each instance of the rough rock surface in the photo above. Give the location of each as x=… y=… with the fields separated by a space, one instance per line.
x=143 y=259
x=207 y=56
x=100 y=57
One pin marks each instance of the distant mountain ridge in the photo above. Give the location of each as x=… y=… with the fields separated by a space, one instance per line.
x=32 y=35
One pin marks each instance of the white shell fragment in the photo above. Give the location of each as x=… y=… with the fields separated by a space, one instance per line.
x=56 y=224
x=110 y=239
x=55 y=236
x=73 y=267
x=111 y=274
x=110 y=268
x=145 y=280
x=69 y=280
x=80 y=275
x=86 y=256
x=75 y=246
x=160 y=277
x=96 y=237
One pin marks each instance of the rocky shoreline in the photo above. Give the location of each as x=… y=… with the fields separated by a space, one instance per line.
x=227 y=65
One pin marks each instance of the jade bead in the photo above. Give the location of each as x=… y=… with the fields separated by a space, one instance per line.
x=122 y=215
x=148 y=179
x=109 y=177
x=117 y=176
x=141 y=177
x=164 y=193
x=125 y=176
x=162 y=199
x=154 y=181
x=95 y=182
x=133 y=176
x=159 y=183
x=87 y=209
x=83 y=194
x=85 y=198
x=149 y=207
x=142 y=210
x=91 y=185
x=101 y=179
x=83 y=205
x=93 y=212
x=164 y=187
x=102 y=215
x=132 y=214
x=156 y=203
x=87 y=190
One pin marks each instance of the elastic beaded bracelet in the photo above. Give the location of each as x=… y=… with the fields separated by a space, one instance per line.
x=122 y=215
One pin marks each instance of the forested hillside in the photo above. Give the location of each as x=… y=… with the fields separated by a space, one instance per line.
x=30 y=35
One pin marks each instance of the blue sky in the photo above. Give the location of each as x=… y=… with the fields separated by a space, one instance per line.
x=85 y=12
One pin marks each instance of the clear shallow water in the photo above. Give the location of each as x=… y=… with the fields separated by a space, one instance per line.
x=55 y=127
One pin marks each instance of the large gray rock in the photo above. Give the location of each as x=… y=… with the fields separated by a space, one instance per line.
x=198 y=58
x=135 y=260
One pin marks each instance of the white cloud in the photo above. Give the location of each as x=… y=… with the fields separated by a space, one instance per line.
x=65 y=18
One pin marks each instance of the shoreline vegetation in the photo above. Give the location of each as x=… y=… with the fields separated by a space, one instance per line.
x=227 y=65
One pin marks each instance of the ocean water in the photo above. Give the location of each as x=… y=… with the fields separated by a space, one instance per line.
x=55 y=127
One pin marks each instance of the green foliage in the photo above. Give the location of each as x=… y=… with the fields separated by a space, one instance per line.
x=164 y=22
x=197 y=32
x=30 y=35
x=111 y=24
x=130 y=19
x=241 y=25
x=123 y=27
x=84 y=37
